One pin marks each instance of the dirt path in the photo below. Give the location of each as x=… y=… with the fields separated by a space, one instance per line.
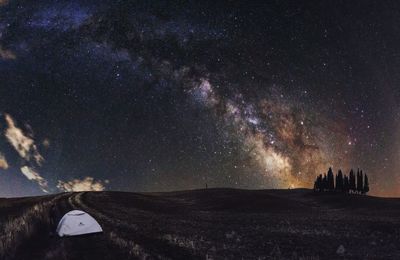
x=219 y=224
x=48 y=245
x=127 y=237
x=119 y=240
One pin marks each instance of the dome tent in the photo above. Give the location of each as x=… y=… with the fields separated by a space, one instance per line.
x=77 y=222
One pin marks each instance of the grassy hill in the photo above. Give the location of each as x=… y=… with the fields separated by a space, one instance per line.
x=212 y=223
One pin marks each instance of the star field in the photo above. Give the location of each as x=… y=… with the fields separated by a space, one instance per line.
x=139 y=96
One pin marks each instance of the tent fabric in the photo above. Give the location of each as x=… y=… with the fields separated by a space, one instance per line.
x=77 y=222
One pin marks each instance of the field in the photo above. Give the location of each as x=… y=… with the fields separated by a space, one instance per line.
x=206 y=224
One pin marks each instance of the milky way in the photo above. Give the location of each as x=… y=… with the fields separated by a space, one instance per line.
x=139 y=96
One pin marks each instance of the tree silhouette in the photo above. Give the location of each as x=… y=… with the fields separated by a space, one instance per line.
x=352 y=181
x=359 y=181
x=331 y=182
x=316 y=185
x=319 y=183
x=366 y=185
x=346 y=185
x=339 y=181
x=342 y=183
x=324 y=183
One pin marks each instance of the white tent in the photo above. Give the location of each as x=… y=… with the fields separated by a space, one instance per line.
x=77 y=222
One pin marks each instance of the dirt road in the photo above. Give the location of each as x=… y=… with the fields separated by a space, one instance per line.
x=223 y=224
x=120 y=239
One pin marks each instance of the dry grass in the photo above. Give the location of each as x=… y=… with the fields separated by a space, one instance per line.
x=219 y=224
x=127 y=245
x=20 y=229
x=214 y=224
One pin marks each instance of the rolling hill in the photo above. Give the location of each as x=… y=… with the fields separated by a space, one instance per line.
x=206 y=224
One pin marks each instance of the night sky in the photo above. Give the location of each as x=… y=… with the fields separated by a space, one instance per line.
x=168 y=95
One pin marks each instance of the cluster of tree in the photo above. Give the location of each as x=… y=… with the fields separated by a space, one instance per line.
x=348 y=184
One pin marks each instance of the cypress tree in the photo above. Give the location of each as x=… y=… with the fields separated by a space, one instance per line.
x=346 y=185
x=339 y=181
x=342 y=183
x=319 y=181
x=324 y=183
x=366 y=185
x=359 y=182
x=336 y=182
x=331 y=182
x=352 y=181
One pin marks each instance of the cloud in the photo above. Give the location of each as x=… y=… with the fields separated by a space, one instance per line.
x=6 y=54
x=3 y=162
x=34 y=176
x=86 y=184
x=22 y=143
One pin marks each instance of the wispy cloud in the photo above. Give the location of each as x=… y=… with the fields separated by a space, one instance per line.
x=22 y=143
x=86 y=184
x=34 y=176
x=25 y=145
x=3 y=162
x=6 y=54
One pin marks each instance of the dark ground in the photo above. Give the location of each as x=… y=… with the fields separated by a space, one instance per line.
x=218 y=224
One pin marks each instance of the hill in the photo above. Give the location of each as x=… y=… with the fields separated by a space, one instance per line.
x=200 y=224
